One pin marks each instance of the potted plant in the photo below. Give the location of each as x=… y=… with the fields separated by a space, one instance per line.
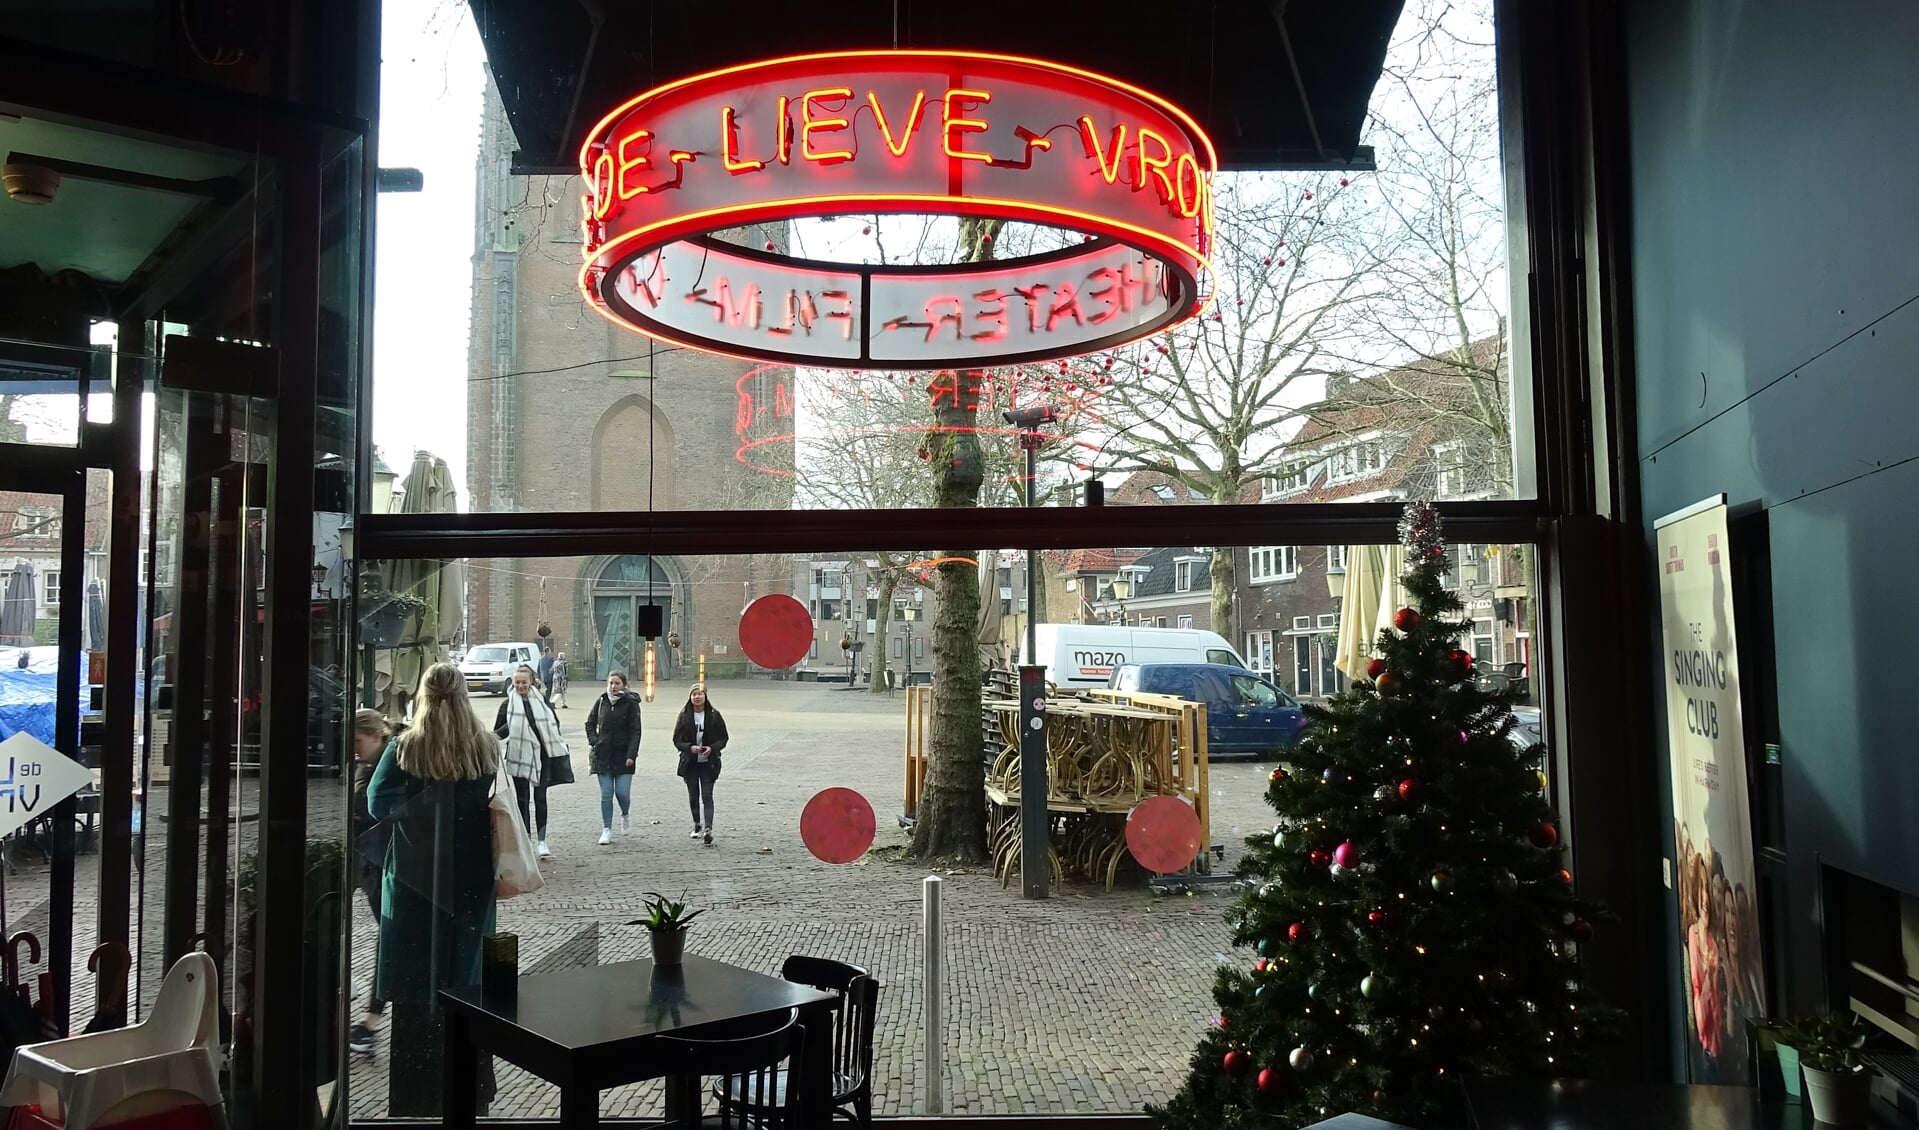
x=1781 y=1038
x=1838 y=1082
x=666 y=921
x=383 y=616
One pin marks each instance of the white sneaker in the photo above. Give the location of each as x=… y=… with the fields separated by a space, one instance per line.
x=606 y=835
x=626 y=824
x=696 y=831
x=542 y=850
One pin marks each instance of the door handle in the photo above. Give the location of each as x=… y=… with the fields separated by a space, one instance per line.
x=1242 y=714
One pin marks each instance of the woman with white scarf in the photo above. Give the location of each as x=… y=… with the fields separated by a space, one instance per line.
x=531 y=733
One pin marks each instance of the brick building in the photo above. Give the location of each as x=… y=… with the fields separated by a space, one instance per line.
x=1392 y=436
x=568 y=412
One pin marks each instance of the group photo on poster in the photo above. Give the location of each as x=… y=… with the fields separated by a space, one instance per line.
x=1712 y=828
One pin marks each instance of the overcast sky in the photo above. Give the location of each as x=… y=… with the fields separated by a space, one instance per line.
x=431 y=81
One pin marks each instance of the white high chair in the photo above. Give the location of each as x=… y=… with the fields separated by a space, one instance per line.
x=166 y=1062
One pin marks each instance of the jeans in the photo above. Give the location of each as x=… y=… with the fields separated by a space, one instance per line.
x=615 y=785
x=532 y=799
x=699 y=787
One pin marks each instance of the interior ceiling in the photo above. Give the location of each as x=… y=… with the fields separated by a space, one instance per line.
x=1224 y=61
x=103 y=230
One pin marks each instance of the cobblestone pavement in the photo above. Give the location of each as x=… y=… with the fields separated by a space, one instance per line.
x=1088 y=1001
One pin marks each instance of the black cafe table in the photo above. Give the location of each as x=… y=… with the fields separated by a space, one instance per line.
x=592 y=1028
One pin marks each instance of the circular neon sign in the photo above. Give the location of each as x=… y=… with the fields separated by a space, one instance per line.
x=862 y=132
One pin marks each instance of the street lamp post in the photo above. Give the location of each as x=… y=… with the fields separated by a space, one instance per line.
x=1035 y=817
x=912 y=613
x=1122 y=588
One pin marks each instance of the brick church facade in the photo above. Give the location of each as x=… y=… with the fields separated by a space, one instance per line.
x=567 y=412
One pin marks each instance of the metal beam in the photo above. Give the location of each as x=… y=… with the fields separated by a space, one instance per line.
x=582 y=533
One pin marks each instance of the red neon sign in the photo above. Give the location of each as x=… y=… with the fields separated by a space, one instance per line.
x=861 y=132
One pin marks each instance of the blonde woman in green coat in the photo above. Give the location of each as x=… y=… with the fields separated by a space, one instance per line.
x=431 y=792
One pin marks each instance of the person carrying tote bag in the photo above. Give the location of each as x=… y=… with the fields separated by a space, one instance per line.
x=531 y=733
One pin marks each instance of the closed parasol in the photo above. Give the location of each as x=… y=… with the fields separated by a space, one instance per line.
x=1368 y=599
x=440 y=583
x=17 y=607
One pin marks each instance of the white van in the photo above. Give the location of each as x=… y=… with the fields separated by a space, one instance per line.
x=1084 y=655
x=490 y=666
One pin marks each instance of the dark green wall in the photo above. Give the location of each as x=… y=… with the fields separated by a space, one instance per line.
x=1775 y=178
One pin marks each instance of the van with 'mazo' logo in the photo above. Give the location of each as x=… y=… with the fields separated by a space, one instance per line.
x=1085 y=655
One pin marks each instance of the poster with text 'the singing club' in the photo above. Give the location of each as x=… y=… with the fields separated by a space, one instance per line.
x=1712 y=828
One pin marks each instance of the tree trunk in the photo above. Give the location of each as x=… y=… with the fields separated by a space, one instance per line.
x=1225 y=581
x=882 y=621
x=952 y=814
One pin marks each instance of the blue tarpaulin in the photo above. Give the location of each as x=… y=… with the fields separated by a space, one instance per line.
x=27 y=703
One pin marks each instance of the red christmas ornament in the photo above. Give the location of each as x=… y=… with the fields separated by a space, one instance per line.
x=1270 y=1080
x=1375 y=669
x=1276 y=775
x=1261 y=965
x=1582 y=930
x=1385 y=682
x=769 y=245
x=1545 y=835
x=1296 y=933
x=1236 y=1062
x=1376 y=919
x=1462 y=661
x=867 y=230
x=1565 y=876
x=1318 y=858
x=1282 y=262
x=1408 y=789
x=1342 y=182
x=1309 y=196
x=1268 y=261
x=1346 y=854
x=1406 y=619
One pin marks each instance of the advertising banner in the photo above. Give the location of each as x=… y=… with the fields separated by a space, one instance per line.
x=1712 y=829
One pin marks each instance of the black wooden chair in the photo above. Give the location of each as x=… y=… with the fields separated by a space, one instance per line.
x=756 y=1067
x=852 y=1048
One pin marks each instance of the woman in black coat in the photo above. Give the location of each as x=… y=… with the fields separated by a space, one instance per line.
x=613 y=732
x=699 y=735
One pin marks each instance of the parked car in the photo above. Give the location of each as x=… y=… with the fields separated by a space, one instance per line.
x=1245 y=714
x=1085 y=655
x=490 y=666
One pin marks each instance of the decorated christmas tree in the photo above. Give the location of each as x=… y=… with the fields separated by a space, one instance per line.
x=1409 y=920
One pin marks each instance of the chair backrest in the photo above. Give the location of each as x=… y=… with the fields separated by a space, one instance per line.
x=853 y=1029
x=187 y=1012
x=820 y=972
x=750 y=1068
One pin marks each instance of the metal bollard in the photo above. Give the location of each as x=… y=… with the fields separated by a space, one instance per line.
x=931 y=993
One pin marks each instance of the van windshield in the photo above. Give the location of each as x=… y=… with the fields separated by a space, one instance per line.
x=487 y=655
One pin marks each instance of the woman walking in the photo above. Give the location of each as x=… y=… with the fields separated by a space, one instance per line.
x=431 y=790
x=531 y=732
x=371 y=736
x=699 y=735
x=613 y=732
x=556 y=688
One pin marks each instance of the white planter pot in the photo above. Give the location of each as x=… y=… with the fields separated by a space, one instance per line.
x=1839 y=1098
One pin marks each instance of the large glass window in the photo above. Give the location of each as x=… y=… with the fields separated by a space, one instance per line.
x=1356 y=347
x=839 y=717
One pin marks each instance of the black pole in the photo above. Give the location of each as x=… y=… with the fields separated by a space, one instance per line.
x=1034 y=786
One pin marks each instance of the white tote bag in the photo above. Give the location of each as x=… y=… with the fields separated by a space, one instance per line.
x=516 y=870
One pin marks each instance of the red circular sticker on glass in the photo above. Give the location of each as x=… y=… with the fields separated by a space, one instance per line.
x=1163 y=834
x=837 y=825
x=776 y=631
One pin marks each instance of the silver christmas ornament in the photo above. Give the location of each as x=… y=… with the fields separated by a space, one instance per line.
x=1301 y=1058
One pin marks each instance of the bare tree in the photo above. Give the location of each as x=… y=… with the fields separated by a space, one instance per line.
x=1443 y=318
x=1212 y=403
